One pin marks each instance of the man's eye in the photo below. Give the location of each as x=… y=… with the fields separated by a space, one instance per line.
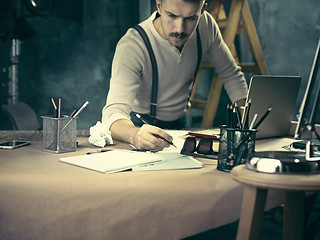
x=190 y=18
x=172 y=16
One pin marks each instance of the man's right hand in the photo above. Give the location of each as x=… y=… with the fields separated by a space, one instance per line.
x=145 y=137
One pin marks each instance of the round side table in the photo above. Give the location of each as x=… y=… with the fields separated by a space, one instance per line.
x=257 y=184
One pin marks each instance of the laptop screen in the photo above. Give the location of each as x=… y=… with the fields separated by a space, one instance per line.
x=278 y=92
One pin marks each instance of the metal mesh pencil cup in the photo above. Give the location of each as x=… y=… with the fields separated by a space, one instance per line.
x=234 y=147
x=59 y=134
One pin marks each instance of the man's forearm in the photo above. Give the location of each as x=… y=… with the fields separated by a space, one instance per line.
x=123 y=130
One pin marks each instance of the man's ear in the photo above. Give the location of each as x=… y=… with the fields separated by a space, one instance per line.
x=158 y=2
x=204 y=7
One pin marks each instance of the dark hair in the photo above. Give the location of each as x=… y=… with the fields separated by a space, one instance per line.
x=192 y=1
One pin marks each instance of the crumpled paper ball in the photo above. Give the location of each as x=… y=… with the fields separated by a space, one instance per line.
x=100 y=136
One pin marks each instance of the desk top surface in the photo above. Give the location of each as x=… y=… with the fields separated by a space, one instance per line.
x=41 y=196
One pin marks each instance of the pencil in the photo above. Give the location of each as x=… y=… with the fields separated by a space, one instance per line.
x=238 y=115
x=245 y=119
x=253 y=121
x=55 y=108
x=80 y=109
x=234 y=118
x=171 y=143
x=75 y=115
x=231 y=116
x=228 y=116
x=139 y=116
x=59 y=107
x=262 y=118
x=99 y=151
x=54 y=104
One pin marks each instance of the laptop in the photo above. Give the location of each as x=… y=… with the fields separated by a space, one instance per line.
x=278 y=92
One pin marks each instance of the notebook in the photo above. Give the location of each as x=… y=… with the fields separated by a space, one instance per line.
x=121 y=160
x=278 y=92
x=170 y=161
x=112 y=161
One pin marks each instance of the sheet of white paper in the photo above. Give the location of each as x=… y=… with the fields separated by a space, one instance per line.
x=178 y=140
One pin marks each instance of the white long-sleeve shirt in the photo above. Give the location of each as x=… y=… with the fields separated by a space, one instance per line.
x=131 y=78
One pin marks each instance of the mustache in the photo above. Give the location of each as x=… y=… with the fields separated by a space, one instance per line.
x=178 y=35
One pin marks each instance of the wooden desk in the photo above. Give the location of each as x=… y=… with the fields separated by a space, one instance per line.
x=42 y=198
x=256 y=188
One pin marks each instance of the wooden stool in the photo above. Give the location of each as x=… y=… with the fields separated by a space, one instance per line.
x=255 y=193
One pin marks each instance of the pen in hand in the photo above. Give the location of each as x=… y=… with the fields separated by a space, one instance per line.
x=145 y=122
x=139 y=116
x=171 y=143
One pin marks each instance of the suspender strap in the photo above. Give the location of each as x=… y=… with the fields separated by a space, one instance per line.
x=199 y=47
x=154 y=93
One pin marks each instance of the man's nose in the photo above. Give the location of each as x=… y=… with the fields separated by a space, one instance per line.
x=180 y=25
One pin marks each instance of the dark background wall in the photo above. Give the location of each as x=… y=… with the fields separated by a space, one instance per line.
x=289 y=34
x=76 y=64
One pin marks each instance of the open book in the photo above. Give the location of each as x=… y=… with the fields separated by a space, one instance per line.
x=121 y=160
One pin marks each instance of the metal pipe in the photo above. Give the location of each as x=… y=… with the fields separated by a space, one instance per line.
x=14 y=71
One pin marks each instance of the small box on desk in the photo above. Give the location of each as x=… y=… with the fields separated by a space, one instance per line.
x=59 y=134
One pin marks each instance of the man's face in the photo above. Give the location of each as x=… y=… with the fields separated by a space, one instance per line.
x=178 y=20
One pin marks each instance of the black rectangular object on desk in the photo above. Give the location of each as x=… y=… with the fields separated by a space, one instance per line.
x=302 y=144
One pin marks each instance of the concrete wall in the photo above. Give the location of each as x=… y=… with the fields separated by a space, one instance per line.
x=76 y=65
x=289 y=34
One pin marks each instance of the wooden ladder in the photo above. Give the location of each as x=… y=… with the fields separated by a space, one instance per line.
x=230 y=26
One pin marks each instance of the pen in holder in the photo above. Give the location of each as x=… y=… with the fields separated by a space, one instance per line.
x=234 y=147
x=59 y=134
